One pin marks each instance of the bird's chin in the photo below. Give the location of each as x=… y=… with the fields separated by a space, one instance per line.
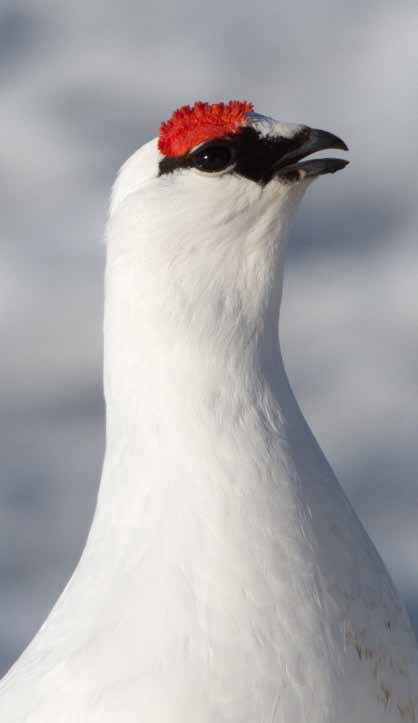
x=310 y=169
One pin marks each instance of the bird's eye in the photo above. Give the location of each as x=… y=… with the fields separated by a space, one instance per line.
x=213 y=157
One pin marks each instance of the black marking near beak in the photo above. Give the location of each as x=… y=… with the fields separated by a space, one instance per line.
x=261 y=158
x=311 y=140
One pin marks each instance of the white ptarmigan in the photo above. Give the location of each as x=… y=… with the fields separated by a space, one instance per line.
x=226 y=578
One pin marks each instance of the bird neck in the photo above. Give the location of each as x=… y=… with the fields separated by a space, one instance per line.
x=192 y=370
x=190 y=311
x=210 y=340
x=177 y=416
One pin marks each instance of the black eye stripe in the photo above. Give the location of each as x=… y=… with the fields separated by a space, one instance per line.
x=252 y=155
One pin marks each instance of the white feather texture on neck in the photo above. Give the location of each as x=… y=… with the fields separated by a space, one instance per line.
x=194 y=277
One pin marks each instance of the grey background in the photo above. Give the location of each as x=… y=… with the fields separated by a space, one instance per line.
x=82 y=86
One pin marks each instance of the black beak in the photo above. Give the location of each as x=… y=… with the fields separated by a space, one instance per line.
x=311 y=140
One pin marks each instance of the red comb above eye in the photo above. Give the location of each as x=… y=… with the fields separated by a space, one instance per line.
x=189 y=126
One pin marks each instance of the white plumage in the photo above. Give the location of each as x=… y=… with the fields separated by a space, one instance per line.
x=226 y=578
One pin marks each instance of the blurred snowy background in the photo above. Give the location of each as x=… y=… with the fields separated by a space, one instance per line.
x=83 y=85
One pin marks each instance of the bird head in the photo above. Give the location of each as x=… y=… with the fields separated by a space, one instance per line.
x=233 y=148
x=198 y=217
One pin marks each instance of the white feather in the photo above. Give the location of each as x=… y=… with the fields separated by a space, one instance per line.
x=226 y=578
